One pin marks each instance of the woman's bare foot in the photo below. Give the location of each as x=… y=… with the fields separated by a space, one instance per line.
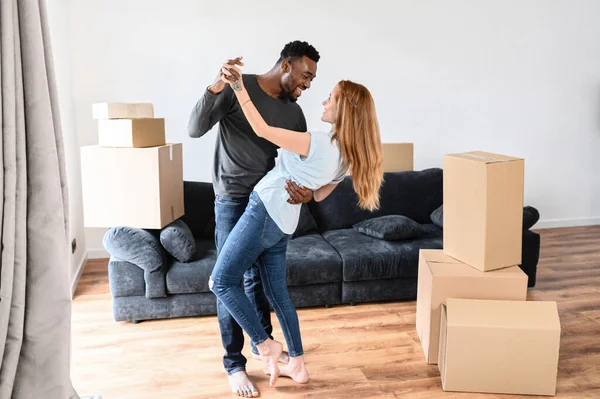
x=284 y=358
x=295 y=369
x=270 y=351
x=242 y=386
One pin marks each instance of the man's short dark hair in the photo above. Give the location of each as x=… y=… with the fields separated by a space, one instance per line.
x=298 y=49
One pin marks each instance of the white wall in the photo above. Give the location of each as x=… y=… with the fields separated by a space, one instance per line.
x=59 y=32
x=514 y=77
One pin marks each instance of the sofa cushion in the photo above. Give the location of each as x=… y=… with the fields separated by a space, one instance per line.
x=367 y=258
x=413 y=194
x=311 y=260
x=177 y=240
x=191 y=277
x=390 y=227
x=437 y=216
x=430 y=230
x=138 y=246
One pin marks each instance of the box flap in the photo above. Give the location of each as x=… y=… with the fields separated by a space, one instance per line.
x=441 y=264
x=503 y=314
x=437 y=256
x=107 y=104
x=464 y=270
x=485 y=157
x=398 y=157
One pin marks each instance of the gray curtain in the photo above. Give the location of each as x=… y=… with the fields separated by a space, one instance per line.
x=35 y=300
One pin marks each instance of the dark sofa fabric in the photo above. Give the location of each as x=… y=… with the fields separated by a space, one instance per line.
x=177 y=239
x=311 y=260
x=191 y=277
x=199 y=208
x=412 y=194
x=389 y=228
x=306 y=224
x=530 y=255
x=384 y=290
x=126 y=279
x=530 y=217
x=137 y=308
x=366 y=258
x=328 y=261
x=138 y=246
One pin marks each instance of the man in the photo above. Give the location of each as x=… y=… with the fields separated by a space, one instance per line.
x=241 y=160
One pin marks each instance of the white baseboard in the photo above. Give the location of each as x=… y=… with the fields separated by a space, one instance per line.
x=574 y=222
x=80 y=267
x=98 y=253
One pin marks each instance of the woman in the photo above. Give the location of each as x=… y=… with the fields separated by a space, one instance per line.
x=318 y=161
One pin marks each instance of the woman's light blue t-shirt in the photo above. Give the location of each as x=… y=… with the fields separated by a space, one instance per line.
x=323 y=165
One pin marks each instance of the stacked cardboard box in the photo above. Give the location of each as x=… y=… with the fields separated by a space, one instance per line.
x=398 y=157
x=132 y=177
x=473 y=319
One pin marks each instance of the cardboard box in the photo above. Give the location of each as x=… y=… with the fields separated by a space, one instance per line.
x=137 y=187
x=442 y=277
x=122 y=110
x=499 y=346
x=483 y=209
x=398 y=157
x=135 y=133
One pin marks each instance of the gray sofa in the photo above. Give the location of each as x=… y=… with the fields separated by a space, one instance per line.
x=329 y=262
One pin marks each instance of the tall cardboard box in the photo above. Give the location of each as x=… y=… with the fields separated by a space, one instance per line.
x=115 y=110
x=137 y=187
x=499 y=346
x=483 y=209
x=442 y=277
x=398 y=157
x=134 y=133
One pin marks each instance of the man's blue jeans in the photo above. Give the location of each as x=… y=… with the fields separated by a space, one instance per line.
x=227 y=213
x=256 y=239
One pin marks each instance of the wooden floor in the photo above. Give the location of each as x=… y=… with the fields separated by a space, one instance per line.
x=367 y=351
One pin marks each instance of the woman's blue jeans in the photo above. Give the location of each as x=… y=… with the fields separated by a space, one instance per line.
x=256 y=238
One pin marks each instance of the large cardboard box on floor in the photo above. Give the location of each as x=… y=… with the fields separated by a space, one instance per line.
x=135 y=133
x=442 y=277
x=483 y=209
x=137 y=187
x=398 y=157
x=499 y=346
x=122 y=110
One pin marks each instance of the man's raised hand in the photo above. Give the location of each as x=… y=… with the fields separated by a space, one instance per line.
x=218 y=85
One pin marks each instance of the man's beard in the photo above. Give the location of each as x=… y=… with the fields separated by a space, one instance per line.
x=286 y=95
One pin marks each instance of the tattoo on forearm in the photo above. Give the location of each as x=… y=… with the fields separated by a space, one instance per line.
x=236 y=86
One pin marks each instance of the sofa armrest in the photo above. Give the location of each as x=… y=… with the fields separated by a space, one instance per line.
x=143 y=249
x=530 y=255
x=138 y=246
x=127 y=279
x=530 y=217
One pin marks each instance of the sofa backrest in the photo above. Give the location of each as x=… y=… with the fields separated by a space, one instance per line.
x=412 y=194
x=199 y=206
x=306 y=223
x=199 y=202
